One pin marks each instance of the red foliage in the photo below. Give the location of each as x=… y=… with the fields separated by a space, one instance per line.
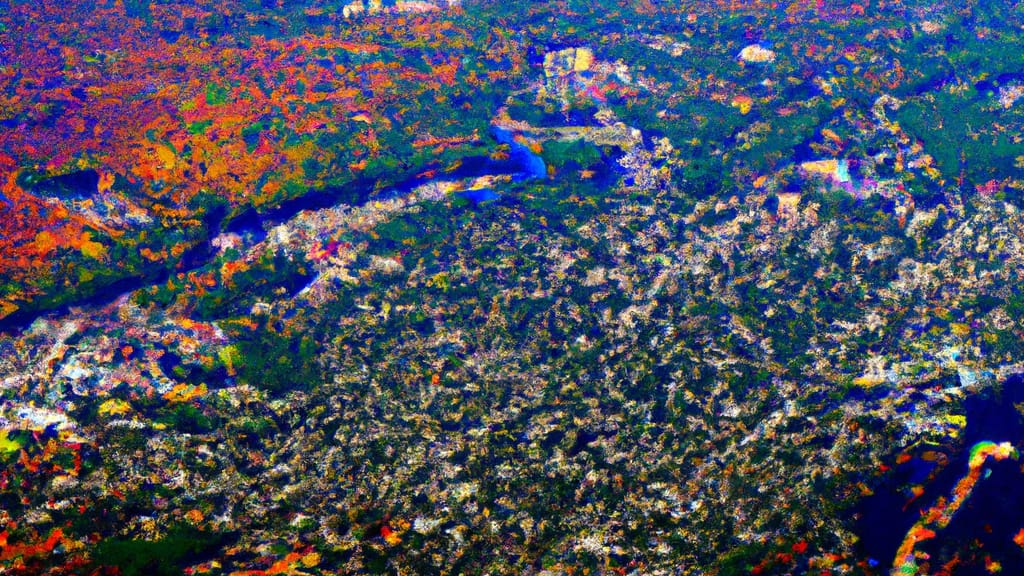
x=97 y=90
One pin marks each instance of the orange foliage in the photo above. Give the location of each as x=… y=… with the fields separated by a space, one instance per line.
x=11 y=551
x=176 y=119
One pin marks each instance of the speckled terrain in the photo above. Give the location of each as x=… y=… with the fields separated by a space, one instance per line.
x=443 y=288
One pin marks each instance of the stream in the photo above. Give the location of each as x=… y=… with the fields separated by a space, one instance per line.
x=522 y=164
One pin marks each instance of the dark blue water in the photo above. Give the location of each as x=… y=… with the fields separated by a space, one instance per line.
x=993 y=513
x=522 y=164
x=479 y=196
x=530 y=165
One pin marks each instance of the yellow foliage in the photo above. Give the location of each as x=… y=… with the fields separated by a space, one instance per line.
x=166 y=156
x=868 y=381
x=229 y=356
x=7 y=445
x=89 y=248
x=957 y=420
x=311 y=559
x=584 y=60
x=115 y=407
x=185 y=393
x=44 y=242
x=296 y=155
x=7 y=308
x=216 y=168
x=743 y=102
x=823 y=167
x=439 y=280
